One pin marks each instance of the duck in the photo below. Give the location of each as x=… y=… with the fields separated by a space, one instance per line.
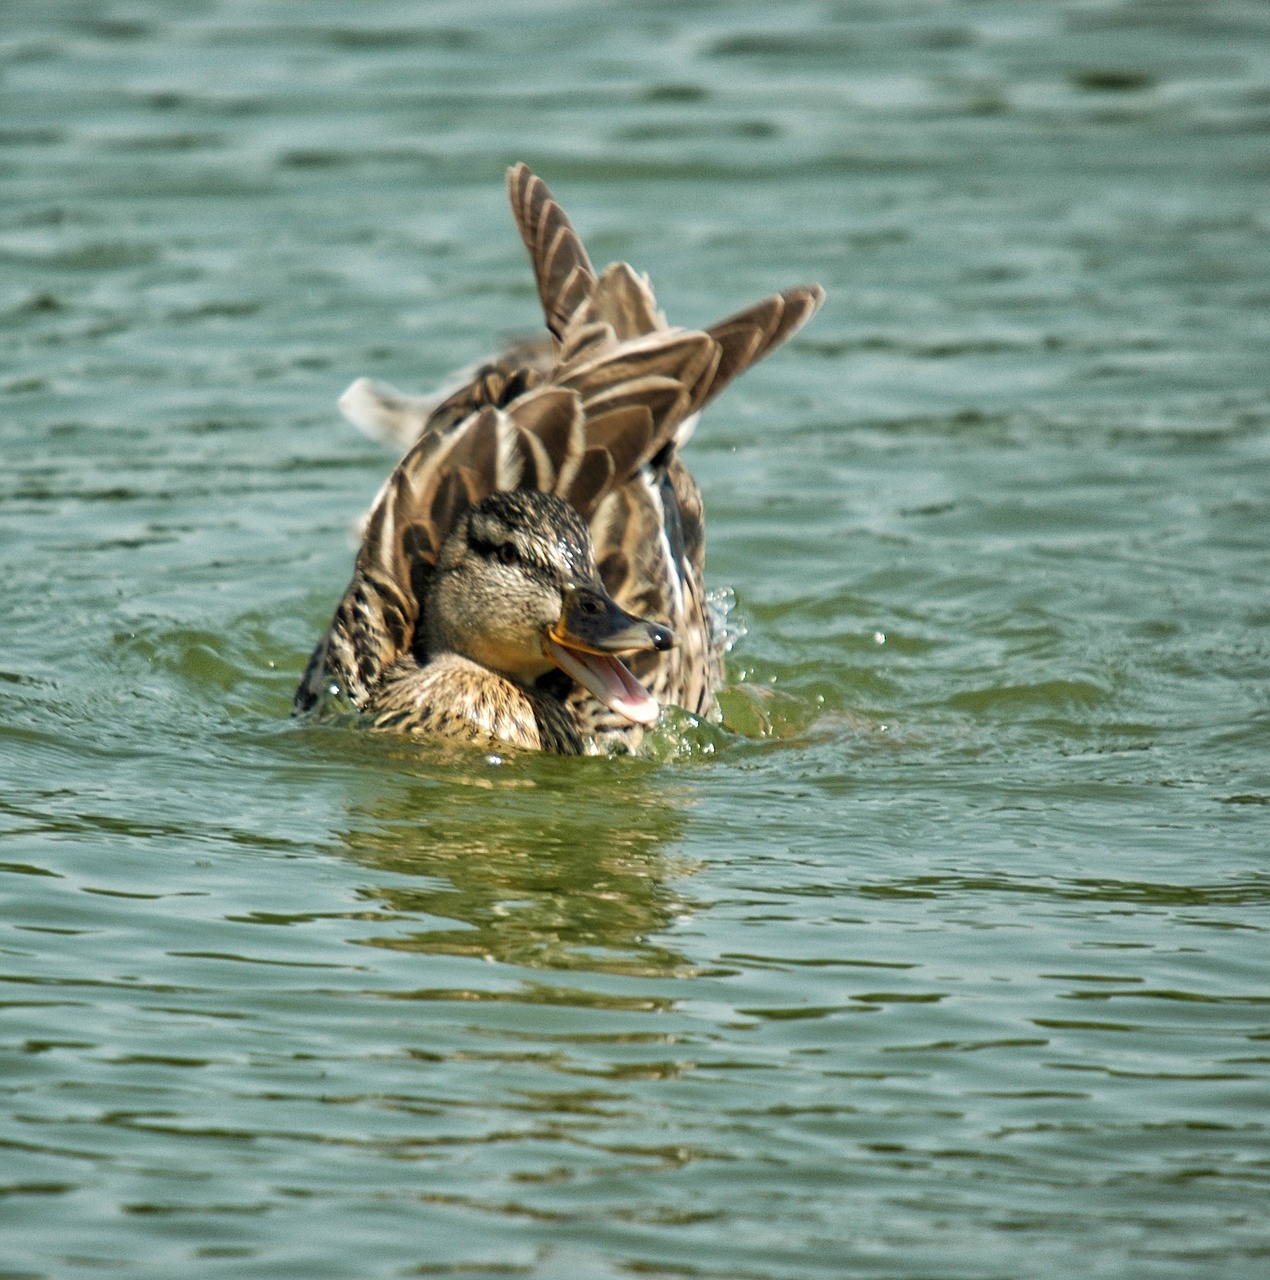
x=531 y=574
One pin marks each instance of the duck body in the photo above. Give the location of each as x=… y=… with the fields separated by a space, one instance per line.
x=542 y=521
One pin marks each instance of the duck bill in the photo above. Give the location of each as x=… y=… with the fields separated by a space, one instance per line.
x=591 y=630
x=607 y=679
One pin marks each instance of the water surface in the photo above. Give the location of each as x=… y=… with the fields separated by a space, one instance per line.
x=945 y=957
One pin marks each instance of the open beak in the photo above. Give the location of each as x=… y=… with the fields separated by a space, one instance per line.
x=592 y=628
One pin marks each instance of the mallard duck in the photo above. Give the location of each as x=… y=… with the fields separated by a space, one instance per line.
x=542 y=521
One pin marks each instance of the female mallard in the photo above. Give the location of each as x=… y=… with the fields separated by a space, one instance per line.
x=542 y=521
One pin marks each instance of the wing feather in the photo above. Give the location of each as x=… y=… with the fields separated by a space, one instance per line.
x=552 y=425
x=563 y=270
x=746 y=337
x=594 y=477
x=586 y=342
x=595 y=415
x=622 y=299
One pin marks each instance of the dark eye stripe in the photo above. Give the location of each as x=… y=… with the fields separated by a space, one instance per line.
x=530 y=567
x=484 y=547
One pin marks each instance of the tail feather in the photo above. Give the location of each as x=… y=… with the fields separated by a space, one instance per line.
x=746 y=337
x=563 y=270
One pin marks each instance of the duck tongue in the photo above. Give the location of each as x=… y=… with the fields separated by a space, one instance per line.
x=608 y=679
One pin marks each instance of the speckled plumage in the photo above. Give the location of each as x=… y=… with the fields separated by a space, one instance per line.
x=594 y=415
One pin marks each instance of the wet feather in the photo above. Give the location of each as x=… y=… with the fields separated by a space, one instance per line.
x=595 y=414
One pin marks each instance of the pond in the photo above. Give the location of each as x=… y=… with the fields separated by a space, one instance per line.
x=945 y=956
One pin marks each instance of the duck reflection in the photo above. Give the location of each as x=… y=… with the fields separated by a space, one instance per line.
x=540 y=862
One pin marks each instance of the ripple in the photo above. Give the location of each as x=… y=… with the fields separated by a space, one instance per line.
x=947 y=933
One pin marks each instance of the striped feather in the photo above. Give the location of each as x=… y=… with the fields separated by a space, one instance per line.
x=596 y=417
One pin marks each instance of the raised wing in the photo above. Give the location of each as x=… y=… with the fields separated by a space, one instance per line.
x=589 y=431
x=745 y=338
x=596 y=416
x=563 y=270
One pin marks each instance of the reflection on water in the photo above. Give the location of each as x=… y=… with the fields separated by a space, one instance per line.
x=585 y=891
x=975 y=980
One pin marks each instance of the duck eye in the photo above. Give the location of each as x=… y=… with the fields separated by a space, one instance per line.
x=507 y=553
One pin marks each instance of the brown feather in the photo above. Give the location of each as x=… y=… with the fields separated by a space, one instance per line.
x=593 y=478
x=624 y=301
x=563 y=270
x=586 y=342
x=594 y=417
x=746 y=337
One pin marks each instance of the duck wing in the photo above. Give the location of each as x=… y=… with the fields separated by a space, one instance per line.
x=746 y=337
x=595 y=416
x=600 y=419
x=563 y=270
x=649 y=529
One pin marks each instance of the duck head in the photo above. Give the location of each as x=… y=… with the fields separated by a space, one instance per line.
x=517 y=590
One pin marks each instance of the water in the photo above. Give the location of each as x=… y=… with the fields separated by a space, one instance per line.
x=948 y=959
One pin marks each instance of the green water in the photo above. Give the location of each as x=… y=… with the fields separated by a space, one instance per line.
x=948 y=961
